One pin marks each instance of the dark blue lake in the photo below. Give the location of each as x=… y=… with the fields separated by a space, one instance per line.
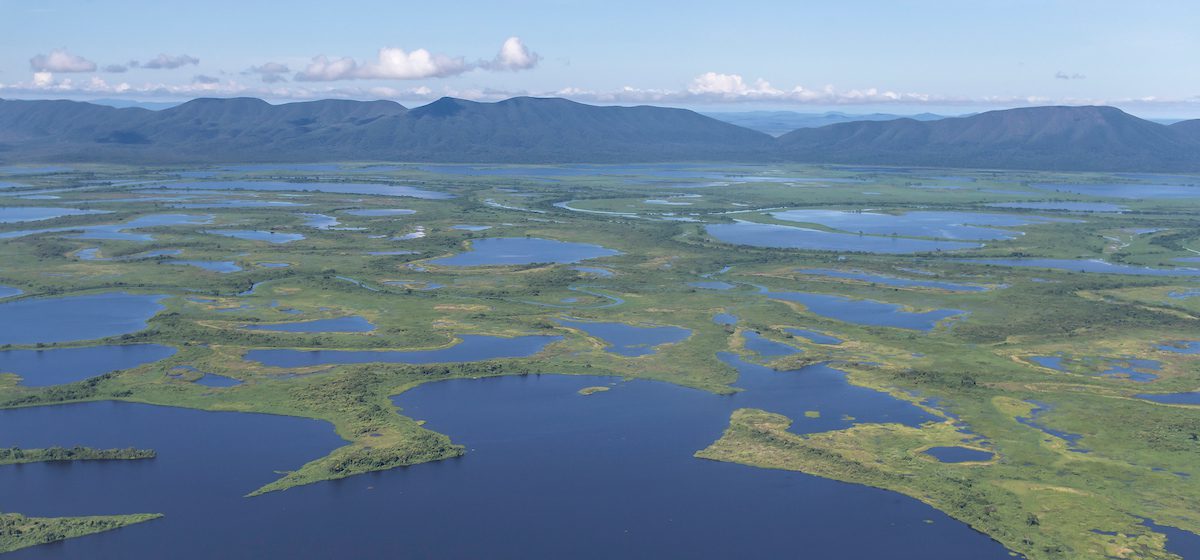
x=787 y=237
x=67 y=319
x=1082 y=265
x=944 y=225
x=630 y=340
x=1173 y=398
x=891 y=280
x=608 y=475
x=473 y=348
x=335 y=188
x=955 y=454
x=865 y=311
x=524 y=250
x=353 y=323
x=55 y=366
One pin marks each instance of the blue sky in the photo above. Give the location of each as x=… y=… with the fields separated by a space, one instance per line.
x=855 y=56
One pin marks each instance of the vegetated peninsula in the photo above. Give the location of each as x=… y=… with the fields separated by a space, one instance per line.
x=552 y=130
x=17 y=455
x=18 y=531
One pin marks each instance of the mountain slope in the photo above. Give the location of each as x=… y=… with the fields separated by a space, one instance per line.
x=521 y=129
x=1053 y=138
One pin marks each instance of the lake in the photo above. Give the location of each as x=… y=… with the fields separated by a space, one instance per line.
x=956 y=454
x=55 y=366
x=788 y=237
x=223 y=267
x=119 y=232
x=72 y=318
x=1064 y=206
x=380 y=212
x=766 y=347
x=9 y=291
x=524 y=250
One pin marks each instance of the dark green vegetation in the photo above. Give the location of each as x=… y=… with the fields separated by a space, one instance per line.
x=15 y=455
x=18 y=531
x=1040 y=496
x=550 y=130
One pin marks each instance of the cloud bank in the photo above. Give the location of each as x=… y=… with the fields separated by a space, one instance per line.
x=59 y=60
x=398 y=64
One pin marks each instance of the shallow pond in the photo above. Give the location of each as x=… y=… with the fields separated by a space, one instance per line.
x=72 y=318
x=630 y=340
x=380 y=212
x=1118 y=190
x=353 y=323
x=766 y=347
x=9 y=215
x=814 y=336
x=1173 y=398
x=865 y=311
x=1065 y=206
x=9 y=291
x=223 y=267
x=467 y=227
x=55 y=366
x=788 y=237
x=335 y=188
x=956 y=454
x=524 y=250
x=944 y=225
x=257 y=235
x=472 y=348
x=1082 y=265
x=891 y=280
x=1182 y=347
x=119 y=232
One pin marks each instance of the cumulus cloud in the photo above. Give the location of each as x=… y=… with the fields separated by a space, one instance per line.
x=513 y=56
x=59 y=60
x=1060 y=75
x=269 y=72
x=166 y=62
x=398 y=64
x=391 y=64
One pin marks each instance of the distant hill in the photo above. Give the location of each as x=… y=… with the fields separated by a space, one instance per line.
x=777 y=123
x=1051 y=138
x=540 y=130
x=521 y=129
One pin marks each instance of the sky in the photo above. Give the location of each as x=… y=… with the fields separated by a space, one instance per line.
x=855 y=56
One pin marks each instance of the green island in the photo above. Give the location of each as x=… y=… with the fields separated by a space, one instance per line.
x=1082 y=461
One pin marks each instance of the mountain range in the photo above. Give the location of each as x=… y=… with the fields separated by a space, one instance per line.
x=777 y=123
x=551 y=130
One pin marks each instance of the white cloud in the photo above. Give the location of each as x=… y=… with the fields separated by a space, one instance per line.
x=59 y=60
x=391 y=64
x=513 y=56
x=166 y=62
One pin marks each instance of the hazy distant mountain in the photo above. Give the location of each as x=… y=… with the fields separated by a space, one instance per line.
x=1054 y=138
x=124 y=103
x=533 y=130
x=521 y=129
x=777 y=123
